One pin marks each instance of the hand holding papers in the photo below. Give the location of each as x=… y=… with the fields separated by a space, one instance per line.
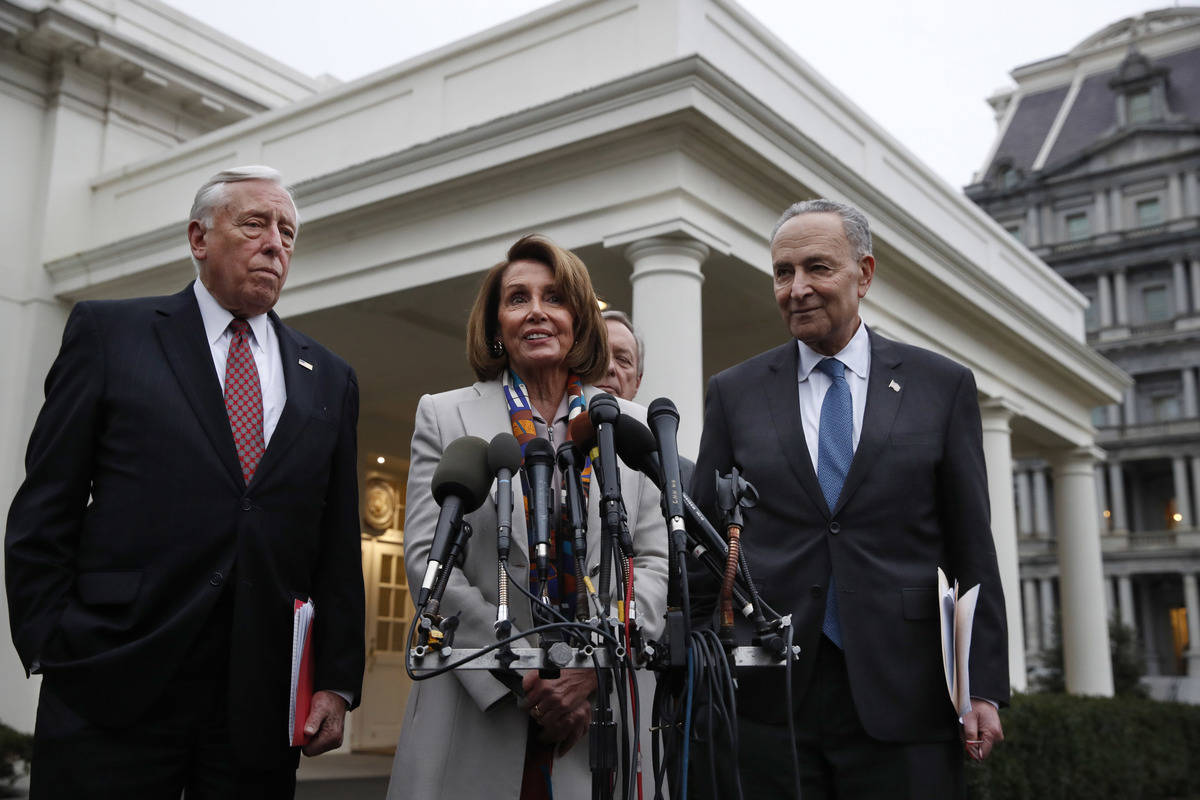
x=300 y=700
x=957 y=615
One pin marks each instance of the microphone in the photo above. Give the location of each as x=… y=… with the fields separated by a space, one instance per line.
x=539 y=470
x=460 y=485
x=504 y=458
x=604 y=411
x=569 y=464
x=637 y=448
x=664 y=421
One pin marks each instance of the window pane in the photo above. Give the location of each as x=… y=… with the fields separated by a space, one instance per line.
x=382 y=637
x=1077 y=226
x=385 y=602
x=1154 y=303
x=1149 y=212
x=1099 y=416
x=1140 y=108
x=1166 y=407
x=385 y=568
x=1014 y=231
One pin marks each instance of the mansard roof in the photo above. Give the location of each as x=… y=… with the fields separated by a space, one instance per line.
x=1067 y=106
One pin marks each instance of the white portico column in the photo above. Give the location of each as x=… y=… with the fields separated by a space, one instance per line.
x=1029 y=602
x=1125 y=601
x=997 y=456
x=1194 y=268
x=1191 y=600
x=1183 y=494
x=1116 y=490
x=1047 y=608
x=666 y=308
x=1084 y=629
x=1120 y=299
x=1104 y=300
x=1024 y=503
x=1041 y=503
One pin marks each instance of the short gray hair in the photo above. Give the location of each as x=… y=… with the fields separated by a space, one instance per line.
x=623 y=318
x=213 y=193
x=858 y=230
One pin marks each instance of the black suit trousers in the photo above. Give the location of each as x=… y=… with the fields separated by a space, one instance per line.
x=836 y=758
x=179 y=745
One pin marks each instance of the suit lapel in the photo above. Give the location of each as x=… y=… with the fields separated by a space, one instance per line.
x=180 y=332
x=783 y=398
x=880 y=413
x=300 y=383
x=484 y=417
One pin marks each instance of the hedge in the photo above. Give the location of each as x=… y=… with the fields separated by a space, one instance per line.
x=1063 y=747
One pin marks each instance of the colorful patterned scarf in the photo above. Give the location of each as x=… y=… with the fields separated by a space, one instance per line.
x=561 y=579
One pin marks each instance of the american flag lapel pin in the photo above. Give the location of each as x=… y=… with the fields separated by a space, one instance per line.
x=895 y=387
x=306 y=365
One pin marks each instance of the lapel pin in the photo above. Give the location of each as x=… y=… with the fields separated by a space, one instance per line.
x=308 y=366
x=895 y=387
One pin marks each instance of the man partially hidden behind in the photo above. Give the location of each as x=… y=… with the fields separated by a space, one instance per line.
x=867 y=456
x=191 y=475
x=626 y=355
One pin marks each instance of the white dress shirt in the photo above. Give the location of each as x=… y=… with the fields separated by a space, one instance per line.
x=813 y=383
x=264 y=345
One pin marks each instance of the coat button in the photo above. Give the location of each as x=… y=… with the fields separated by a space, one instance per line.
x=217 y=578
x=245 y=504
x=834 y=528
x=816 y=591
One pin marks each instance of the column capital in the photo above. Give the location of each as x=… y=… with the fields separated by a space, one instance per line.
x=997 y=413
x=677 y=229
x=660 y=245
x=1076 y=459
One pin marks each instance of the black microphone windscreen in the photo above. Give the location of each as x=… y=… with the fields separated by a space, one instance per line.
x=463 y=471
x=504 y=453
x=539 y=451
x=636 y=445
x=663 y=405
x=604 y=409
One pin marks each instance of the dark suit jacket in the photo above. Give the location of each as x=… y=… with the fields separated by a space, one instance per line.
x=134 y=518
x=915 y=499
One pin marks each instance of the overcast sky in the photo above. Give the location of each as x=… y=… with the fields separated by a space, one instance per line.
x=922 y=69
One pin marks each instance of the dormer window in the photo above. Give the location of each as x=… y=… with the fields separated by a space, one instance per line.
x=1139 y=107
x=1141 y=90
x=1005 y=175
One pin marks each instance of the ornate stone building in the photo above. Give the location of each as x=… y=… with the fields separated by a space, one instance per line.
x=1096 y=169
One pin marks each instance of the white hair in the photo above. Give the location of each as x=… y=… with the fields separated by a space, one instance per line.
x=214 y=192
x=854 y=222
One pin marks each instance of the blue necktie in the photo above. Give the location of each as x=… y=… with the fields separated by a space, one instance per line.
x=835 y=451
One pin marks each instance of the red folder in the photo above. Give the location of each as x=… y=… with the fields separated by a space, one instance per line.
x=300 y=700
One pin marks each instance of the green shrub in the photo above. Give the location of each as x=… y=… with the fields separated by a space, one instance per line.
x=1062 y=747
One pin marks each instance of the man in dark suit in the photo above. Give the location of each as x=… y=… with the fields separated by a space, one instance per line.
x=191 y=474
x=867 y=456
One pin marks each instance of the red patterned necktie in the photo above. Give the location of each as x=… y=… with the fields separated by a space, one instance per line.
x=243 y=399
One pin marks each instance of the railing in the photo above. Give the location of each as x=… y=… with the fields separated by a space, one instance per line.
x=1144 y=431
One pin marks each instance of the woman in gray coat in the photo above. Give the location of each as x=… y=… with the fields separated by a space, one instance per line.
x=536 y=341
